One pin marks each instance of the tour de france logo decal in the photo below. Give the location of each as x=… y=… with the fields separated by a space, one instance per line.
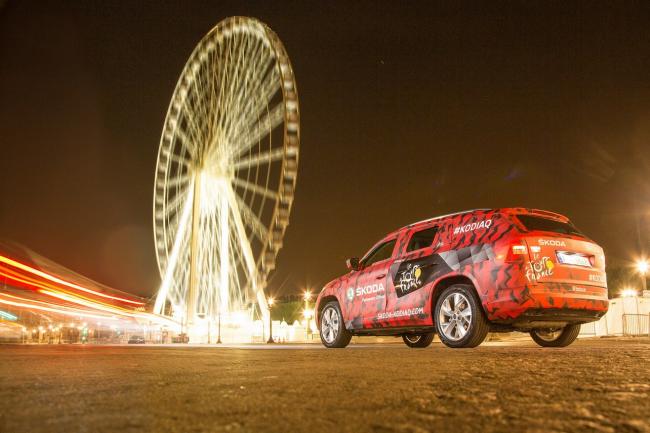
x=408 y=279
x=539 y=269
x=415 y=274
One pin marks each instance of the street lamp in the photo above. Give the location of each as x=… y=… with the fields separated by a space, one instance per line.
x=307 y=296
x=270 y=341
x=642 y=267
x=219 y=328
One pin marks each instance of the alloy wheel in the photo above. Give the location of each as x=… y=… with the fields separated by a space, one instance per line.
x=330 y=325
x=455 y=316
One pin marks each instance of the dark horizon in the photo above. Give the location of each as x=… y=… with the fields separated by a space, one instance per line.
x=406 y=113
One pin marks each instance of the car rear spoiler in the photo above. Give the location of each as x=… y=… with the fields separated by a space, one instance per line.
x=550 y=214
x=539 y=212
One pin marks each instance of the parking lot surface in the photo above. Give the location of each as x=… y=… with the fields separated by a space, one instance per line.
x=595 y=385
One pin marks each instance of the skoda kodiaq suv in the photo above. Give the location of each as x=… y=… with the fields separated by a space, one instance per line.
x=464 y=274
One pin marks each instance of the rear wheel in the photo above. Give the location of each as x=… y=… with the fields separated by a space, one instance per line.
x=460 y=320
x=418 y=341
x=332 y=330
x=557 y=337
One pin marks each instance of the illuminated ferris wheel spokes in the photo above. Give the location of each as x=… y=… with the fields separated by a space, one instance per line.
x=226 y=171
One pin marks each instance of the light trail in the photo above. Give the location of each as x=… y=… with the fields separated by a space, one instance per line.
x=49 y=277
x=7 y=316
x=23 y=281
x=65 y=295
x=48 y=285
x=101 y=307
x=50 y=307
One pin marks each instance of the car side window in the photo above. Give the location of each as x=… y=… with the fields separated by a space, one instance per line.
x=422 y=239
x=382 y=252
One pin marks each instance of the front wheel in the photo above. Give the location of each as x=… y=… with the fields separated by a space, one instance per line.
x=460 y=320
x=332 y=330
x=418 y=341
x=559 y=337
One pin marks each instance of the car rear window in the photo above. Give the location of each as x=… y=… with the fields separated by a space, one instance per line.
x=422 y=239
x=548 y=225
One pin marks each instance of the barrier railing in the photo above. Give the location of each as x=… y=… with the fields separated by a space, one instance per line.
x=636 y=324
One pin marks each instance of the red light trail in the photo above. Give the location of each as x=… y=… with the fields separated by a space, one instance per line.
x=20 y=275
x=57 y=280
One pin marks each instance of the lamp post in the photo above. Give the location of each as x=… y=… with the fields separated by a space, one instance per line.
x=270 y=340
x=219 y=327
x=307 y=296
x=642 y=267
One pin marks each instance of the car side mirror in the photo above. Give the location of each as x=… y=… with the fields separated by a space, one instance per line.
x=352 y=263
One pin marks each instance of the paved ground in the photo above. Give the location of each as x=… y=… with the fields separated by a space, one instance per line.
x=595 y=385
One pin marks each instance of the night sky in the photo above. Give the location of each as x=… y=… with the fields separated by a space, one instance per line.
x=407 y=112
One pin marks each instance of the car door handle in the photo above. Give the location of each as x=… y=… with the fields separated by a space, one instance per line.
x=379 y=277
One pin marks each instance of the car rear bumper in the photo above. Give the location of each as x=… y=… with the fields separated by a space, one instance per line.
x=547 y=304
x=550 y=317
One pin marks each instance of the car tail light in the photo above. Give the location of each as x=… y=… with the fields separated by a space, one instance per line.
x=519 y=249
x=517 y=253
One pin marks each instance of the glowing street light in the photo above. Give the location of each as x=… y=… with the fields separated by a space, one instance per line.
x=270 y=301
x=628 y=293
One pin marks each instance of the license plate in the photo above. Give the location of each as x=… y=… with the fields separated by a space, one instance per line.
x=573 y=259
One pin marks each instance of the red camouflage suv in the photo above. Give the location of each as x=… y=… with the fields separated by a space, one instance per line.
x=464 y=274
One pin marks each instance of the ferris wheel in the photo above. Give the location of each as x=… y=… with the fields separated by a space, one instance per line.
x=226 y=172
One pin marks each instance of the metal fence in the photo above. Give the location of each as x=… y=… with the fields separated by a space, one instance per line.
x=636 y=324
x=588 y=329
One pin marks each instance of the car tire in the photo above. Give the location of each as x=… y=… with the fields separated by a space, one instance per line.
x=560 y=338
x=460 y=320
x=418 y=341
x=331 y=327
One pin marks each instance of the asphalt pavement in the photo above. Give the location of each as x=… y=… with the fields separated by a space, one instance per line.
x=595 y=385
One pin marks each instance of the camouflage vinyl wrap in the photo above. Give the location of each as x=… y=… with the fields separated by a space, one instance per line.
x=472 y=248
